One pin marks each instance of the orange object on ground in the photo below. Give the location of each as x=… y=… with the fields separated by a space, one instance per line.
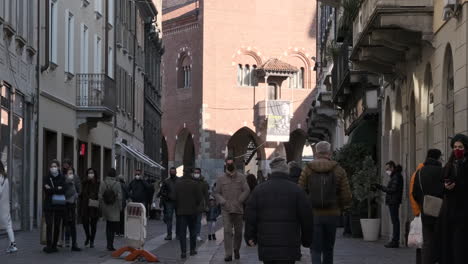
x=134 y=254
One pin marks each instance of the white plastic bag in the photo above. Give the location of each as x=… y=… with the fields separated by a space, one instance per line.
x=415 y=237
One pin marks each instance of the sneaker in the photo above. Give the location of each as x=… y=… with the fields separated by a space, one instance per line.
x=12 y=248
x=214 y=236
x=199 y=239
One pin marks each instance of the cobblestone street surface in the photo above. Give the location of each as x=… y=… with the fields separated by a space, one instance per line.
x=348 y=251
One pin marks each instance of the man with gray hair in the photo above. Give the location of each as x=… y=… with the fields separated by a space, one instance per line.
x=329 y=193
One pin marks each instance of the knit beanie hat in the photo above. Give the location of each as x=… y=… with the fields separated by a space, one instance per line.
x=279 y=165
x=459 y=138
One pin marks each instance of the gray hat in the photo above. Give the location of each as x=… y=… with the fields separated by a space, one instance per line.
x=279 y=165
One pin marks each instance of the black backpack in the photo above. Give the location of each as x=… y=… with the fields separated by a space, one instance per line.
x=109 y=196
x=322 y=189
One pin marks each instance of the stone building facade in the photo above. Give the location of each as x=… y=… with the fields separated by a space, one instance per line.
x=223 y=67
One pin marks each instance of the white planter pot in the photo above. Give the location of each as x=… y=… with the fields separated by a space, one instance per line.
x=370 y=229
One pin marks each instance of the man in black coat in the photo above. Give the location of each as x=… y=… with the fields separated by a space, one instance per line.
x=188 y=197
x=139 y=189
x=278 y=217
x=393 y=198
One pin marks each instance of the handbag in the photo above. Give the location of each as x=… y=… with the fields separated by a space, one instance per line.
x=432 y=204
x=93 y=203
x=415 y=237
x=58 y=199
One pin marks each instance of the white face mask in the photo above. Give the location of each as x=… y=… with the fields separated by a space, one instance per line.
x=196 y=175
x=54 y=171
x=91 y=176
x=388 y=172
x=70 y=176
x=137 y=177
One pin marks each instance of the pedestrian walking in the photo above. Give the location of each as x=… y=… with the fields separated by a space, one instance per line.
x=5 y=215
x=231 y=192
x=139 y=189
x=214 y=211
x=393 y=198
x=89 y=206
x=65 y=234
x=188 y=198
x=327 y=185
x=54 y=205
x=125 y=197
x=295 y=171
x=72 y=191
x=428 y=181
x=167 y=195
x=455 y=209
x=204 y=187
x=110 y=199
x=278 y=217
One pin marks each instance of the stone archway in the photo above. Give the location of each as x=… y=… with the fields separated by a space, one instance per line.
x=245 y=147
x=184 y=151
x=295 y=147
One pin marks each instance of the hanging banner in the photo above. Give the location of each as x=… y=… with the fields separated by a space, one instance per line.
x=278 y=124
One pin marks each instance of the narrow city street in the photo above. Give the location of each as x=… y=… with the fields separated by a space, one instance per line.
x=348 y=251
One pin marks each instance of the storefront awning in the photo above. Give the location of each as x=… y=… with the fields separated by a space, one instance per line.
x=141 y=156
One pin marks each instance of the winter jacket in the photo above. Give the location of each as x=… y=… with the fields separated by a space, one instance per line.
x=90 y=190
x=343 y=190
x=72 y=190
x=394 y=188
x=430 y=179
x=295 y=174
x=414 y=205
x=213 y=213
x=204 y=187
x=188 y=196
x=279 y=219
x=167 y=192
x=4 y=202
x=139 y=191
x=111 y=212
x=457 y=199
x=57 y=186
x=231 y=191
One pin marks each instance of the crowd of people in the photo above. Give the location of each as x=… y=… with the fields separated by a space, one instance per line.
x=294 y=207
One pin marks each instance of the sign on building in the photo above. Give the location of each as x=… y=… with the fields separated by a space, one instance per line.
x=279 y=119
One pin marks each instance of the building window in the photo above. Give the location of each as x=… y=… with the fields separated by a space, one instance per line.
x=184 y=75
x=253 y=76
x=98 y=55
x=296 y=81
x=240 y=73
x=246 y=75
x=110 y=58
x=84 y=49
x=272 y=91
x=53 y=31
x=69 y=42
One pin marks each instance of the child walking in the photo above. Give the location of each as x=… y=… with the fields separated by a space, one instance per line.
x=211 y=217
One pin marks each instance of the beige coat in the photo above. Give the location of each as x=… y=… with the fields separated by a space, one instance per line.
x=111 y=212
x=231 y=192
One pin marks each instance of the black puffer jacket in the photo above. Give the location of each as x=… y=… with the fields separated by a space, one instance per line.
x=394 y=188
x=139 y=191
x=429 y=178
x=56 y=186
x=279 y=219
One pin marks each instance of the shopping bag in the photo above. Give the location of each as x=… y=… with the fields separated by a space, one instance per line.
x=415 y=237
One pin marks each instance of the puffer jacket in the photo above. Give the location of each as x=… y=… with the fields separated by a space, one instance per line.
x=343 y=190
x=231 y=191
x=279 y=219
x=394 y=188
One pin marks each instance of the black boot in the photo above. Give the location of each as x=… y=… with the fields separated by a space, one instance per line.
x=214 y=236
x=209 y=237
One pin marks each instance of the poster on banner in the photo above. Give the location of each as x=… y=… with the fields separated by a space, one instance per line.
x=279 y=119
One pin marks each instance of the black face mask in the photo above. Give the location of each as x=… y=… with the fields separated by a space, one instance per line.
x=173 y=175
x=230 y=167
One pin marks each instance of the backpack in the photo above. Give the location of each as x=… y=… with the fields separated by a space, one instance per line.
x=109 y=196
x=322 y=190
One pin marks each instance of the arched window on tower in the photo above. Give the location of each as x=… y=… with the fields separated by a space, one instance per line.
x=184 y=74
x=246 y=75
x=300 y=80
x=253 y=76
x=239 y=74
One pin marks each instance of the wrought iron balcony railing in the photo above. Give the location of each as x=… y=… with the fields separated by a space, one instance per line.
x=95 y=91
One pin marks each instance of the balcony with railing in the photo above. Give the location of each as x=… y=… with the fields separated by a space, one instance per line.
x=95 y=98
x=386 y=31
x=340 y=73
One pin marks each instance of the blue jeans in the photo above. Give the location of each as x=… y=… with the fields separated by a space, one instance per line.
x=395 y=216
x=169 y=210
x=198 y=227
x=189 y=221
x=323 y=239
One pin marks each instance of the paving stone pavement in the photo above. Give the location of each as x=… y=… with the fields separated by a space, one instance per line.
x=348 y=250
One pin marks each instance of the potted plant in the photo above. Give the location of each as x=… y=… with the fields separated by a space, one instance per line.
x=363 y=191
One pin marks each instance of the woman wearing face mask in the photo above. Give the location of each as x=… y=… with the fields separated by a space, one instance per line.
x=455 y=211
x=54 y=204
x=72 y=191
x=89 y=205
x=5 y=217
